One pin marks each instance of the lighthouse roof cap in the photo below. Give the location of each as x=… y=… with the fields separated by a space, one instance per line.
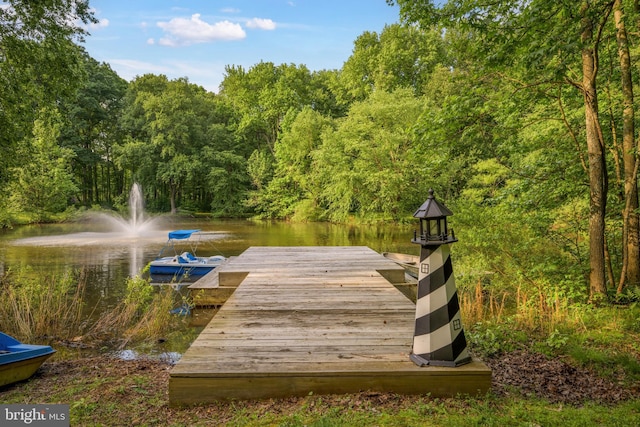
x=432 y=208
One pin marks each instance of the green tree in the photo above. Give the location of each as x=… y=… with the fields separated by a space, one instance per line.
x=456 y=130
x=262 y=96
x=327 y=94
x=293 y=191
x=92 y=130
x=44 y=184
x=630 y=273
x=181 y=146
x=223 y=163
x=227 y=179
x=135 y=155
x=39 y=64
x=365 y=167
x=177 y=121
x=542 y=42
x=401 y=56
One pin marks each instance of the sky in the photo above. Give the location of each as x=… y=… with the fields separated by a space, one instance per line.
x=198 y=38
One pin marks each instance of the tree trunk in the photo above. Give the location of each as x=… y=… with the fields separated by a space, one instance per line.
x=607 y=261
x=96 y=189
x=172 y=197
x=631 y=221
x=597 y=188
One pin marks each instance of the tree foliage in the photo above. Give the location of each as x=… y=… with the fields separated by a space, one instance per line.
x=506 y=38
x=39 y=64
x=92 y=131
x=398 y=57
x=365 y=166
x=44 y=184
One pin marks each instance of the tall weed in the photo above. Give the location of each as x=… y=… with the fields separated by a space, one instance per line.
x=142 y=313
x=499 y=320
x=481 y=304
x=155 y=321
x=39 y=308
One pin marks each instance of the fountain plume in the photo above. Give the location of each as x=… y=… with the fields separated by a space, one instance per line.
x=137 y=223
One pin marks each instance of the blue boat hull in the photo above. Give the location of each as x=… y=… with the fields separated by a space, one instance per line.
x=184 y=265
x=180 y=270
x=20 y=361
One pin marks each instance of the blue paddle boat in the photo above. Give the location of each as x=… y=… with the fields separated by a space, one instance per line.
x=184 y=263
x=20 y=361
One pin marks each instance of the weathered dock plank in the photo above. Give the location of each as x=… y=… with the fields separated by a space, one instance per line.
x=312 y=319
x=216 y=287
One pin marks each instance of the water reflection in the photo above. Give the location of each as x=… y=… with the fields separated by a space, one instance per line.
x=115 y=255
x=135 y=260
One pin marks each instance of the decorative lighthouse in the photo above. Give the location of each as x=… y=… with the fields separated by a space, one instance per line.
x=439 y=338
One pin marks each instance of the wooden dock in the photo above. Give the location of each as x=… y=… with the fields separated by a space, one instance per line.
x=311 y=320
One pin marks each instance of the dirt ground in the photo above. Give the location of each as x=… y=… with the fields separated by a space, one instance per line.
x=137 y=390
x=533 y=374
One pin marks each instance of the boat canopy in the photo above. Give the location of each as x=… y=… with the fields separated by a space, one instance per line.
x=181 y=234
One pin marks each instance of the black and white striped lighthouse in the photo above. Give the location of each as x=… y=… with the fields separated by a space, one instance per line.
x=439 y=337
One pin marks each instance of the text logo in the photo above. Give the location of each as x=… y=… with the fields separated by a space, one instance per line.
x=34 y=415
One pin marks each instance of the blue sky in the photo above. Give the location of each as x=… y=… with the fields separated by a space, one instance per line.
x=197 y=38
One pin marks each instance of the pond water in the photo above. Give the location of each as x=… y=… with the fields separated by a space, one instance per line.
x=109 y=256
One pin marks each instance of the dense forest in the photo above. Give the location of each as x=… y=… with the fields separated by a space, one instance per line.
x=521 y=117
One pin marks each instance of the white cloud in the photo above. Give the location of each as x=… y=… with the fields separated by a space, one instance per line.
x=185 y=32
x=262 y=24
x=102 y=23
x=230 y=10
x=151 y=41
